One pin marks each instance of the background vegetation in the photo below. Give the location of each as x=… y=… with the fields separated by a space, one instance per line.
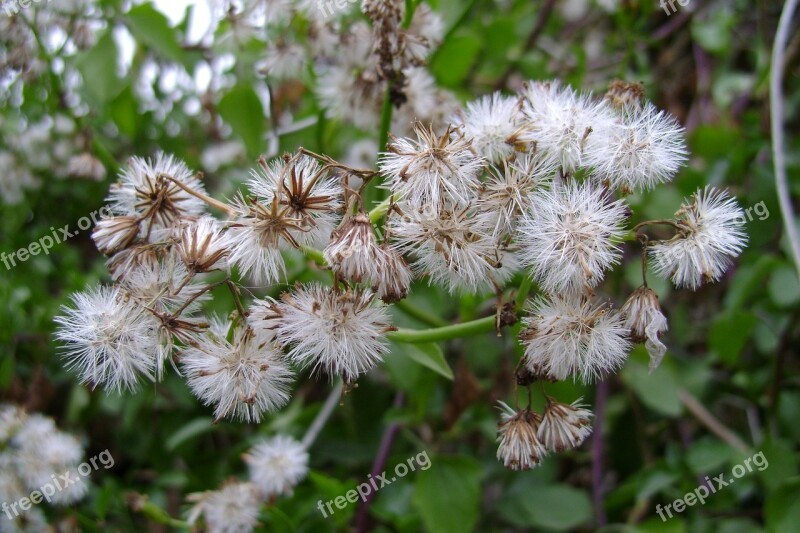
x=732 y=360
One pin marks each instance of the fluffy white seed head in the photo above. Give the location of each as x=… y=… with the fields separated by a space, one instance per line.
x=640 y=149
x=564 y=426
x=559 y=121
x=112 y=234
x=572 y=337
x=242 y=379
x=520 y=447
x=432 y=168
x=710 y=234
x=340 y=333
x=277 y=465
x=492 y=122
x=646 y=322
x=508 y=192
x=234 y=508
x=568 y=238
x=454 y=246
x=108 y=339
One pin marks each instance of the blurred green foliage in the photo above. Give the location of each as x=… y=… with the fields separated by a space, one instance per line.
x=732 y=345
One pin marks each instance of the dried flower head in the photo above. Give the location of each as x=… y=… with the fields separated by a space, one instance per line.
x=203 y=246
x=147 y=190
x=353 y=250
x=115 y=233
x=520 y=447
x=431 y=168
x=564 y=426
x=646 y=322
x=454 y=246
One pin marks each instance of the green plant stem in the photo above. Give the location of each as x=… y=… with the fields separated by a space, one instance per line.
x=454 y=331
x=420 y=314
x=379 y=211
x=314 y=255
x=524 y=289
x=159 y=515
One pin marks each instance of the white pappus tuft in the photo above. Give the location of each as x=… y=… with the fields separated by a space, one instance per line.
x=559 y=121
x=573 y=337
x=431 y=168
x=710 y=234
x=640 y=149
x=340 y=333
x=108 y=339
x=234 y=508
x=277 y=465
x=492 y=122
x=568 y=237
x=455 y=247
x=242 y=379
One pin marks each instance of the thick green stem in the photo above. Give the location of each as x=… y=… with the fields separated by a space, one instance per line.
x=454 y=331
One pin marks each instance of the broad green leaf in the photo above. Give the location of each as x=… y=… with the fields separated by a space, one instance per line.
x=729 y=333
x=242 y=109
x=781 y=512
x=552 y=507
x=196 y=427
x=428 y=355
x=784 y=288
x=455 y=58
x=657 y=390
x=98 y=67
x=153 y=29
x=448 y=494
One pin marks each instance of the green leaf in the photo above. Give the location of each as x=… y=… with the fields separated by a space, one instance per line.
x=658 y=391
x=242 y=110
x=781 y=510
x=429 y=355
x=194 y=428
x=729 y=333
x=448 y=494
x=98 y=67
x=784 y=288
x=153 y=29
x=553 y=507
x=455 y=59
